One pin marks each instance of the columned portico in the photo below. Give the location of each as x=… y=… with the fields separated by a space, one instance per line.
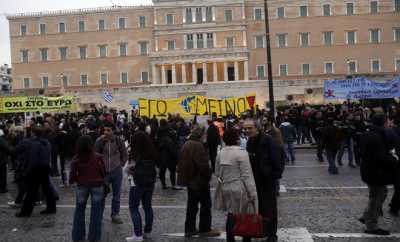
x=199 y=71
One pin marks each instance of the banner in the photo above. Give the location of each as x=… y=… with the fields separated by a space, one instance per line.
x=36 y=103
x=361 y=88
x=195 y=105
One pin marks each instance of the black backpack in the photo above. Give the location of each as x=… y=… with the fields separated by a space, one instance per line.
x=145 y=173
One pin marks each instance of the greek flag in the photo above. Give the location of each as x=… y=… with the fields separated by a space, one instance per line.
x=108 y=97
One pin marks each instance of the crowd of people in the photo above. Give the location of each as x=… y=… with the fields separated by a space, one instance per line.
x=93 y=150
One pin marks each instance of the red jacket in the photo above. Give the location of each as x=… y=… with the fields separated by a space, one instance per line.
x=90 y=172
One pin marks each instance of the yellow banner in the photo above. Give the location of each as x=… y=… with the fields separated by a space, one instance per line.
x=36 y=103
x=195 y=105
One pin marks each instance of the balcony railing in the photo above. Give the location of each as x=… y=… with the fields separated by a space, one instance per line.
x=185 y=52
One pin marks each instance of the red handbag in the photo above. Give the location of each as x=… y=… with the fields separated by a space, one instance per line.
x=249 y=225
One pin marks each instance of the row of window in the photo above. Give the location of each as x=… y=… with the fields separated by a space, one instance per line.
x=198 y=15
x=84 y=79
x=327 y=37
x=101 y=26
x=143 y=48
x=326 y=9
x=305 y=68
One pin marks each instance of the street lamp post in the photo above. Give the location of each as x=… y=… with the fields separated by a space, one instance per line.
x=269 y=62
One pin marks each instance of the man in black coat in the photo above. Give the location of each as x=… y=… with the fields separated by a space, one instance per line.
x=4 y=152
x=213 y=140
x=267 y=169
x=37 y=171
x=377 y=170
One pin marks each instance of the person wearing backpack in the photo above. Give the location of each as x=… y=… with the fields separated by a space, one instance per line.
x=115 y=156
x=142 y=174
x=36 y=174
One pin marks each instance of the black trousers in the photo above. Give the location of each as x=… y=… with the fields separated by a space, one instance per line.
x=194 y=199
x=212 y=153
x=268 y=207
x=172 y=174
x=3 y=176
x=33 y=183
x=54 y=164
x=395 y=203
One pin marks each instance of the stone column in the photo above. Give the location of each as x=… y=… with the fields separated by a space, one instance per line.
x=246 y=70
x=154 y=74
x=213 y=14
x=194 y=15
x=163 y=75
x=184 y=15
x=244 y=38
x=184 y=73
x=215 y=72
x=205 y=72
x=194 y=73
x=194 y=41
x=156 y=43
x=173 y=74
x=225 y=71
x=205 y=40
x=203 y=13
x=236 y=71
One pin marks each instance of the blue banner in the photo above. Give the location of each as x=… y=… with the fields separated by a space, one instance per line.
x=361 y=88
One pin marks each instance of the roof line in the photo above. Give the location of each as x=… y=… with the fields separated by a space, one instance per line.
x=114 y=8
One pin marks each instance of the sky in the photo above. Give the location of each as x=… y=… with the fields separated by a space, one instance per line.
x=24 y=6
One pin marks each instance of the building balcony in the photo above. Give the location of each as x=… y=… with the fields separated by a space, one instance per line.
x=220 y=52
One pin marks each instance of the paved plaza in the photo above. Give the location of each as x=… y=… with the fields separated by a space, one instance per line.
x=313 y=206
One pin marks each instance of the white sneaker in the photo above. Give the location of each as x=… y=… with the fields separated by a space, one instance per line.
x=134 y=238
x=14 y=205
x=147 y=235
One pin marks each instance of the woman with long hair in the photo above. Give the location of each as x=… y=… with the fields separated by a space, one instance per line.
x=141 y=170
x=88 y=172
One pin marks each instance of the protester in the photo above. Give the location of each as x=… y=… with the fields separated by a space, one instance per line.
x=167 y=145
x=195 y=174
x=378 y=168
x=289 y=136
x=267 y=169
x=5 y=151
x=115 y=155
x=213 y=141
x=142 y=173
x=236 y=191
x=88 y=172
x=332 y=137
x=37 y=171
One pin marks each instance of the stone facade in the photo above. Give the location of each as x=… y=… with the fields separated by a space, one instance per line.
x=207 y=46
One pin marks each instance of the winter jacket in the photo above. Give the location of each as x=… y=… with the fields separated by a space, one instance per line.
x=90 y=172
x=265 y=160
x=288 y=132
x=332 y=137
x=4 y=150
x=236 y=186
x=378 y=166
x=193 y=168
x=114 y=152
x=38 y=155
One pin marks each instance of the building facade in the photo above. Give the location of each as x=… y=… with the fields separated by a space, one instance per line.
x=202 y=45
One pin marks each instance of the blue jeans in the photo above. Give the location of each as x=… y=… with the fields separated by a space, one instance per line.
x=115 y=179
x=349 y=144
x=289 y=150
x=144 y=194
x=330 y=156
x=96 y=213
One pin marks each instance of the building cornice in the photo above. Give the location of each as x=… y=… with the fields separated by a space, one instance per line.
x=193 y=3
x=67 y=12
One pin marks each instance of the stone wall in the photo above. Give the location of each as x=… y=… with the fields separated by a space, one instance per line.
x=298 y=89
